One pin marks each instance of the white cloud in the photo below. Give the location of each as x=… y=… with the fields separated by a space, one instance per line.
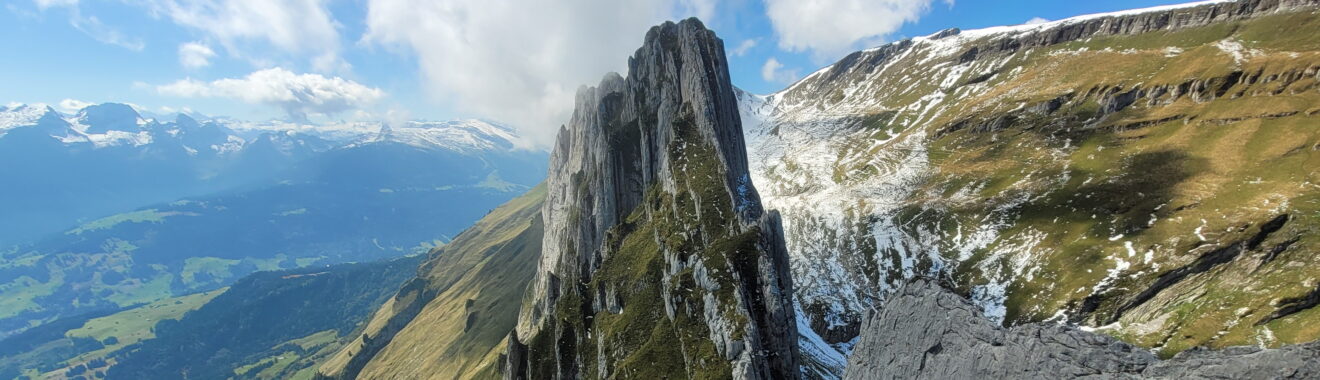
x=516 y=61
x=702 y=9
x=194 y=55
x=43 y=4
x=299 y=95
x=773 y=71
x=1037 y=20
x=187 y=88
x=743 y=47
x=73 y=105
x=828 y=28
x=304 y=27
x=92 y=26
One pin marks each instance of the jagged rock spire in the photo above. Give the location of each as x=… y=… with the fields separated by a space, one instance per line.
x=656 y=162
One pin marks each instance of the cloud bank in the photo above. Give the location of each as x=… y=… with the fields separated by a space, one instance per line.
x=73 y=105
x=828 y=28
x=299 y=95
x=520 y=62
x=91 y=25
x=304 y=27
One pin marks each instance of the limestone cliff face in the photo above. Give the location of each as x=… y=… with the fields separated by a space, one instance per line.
x=928 y=332
x=657 y=255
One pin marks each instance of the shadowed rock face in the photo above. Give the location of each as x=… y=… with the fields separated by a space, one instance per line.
x=651 y=172
x=927 y=331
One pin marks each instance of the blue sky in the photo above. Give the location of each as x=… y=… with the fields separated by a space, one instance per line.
x=512 y=61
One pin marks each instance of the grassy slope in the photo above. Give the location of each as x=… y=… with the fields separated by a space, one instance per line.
x=135 y=325
x=476 y=283
x=269 y=325
x=132 y=258
x=125 y=327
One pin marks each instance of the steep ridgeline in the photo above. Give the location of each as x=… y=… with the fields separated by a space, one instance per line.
x=451 y=320
x=903 y=341
x=657 y=257
x=1149 y=171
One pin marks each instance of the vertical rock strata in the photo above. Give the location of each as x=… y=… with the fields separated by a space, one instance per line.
x=657 y=256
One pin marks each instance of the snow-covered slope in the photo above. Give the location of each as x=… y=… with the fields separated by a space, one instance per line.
x=457 y=135
x=1058 y=170
x=21 y=115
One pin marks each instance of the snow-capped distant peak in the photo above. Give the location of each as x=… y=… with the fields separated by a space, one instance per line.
x=113 y=124
x=16 y=115
x=457 y=135
x=106 y=117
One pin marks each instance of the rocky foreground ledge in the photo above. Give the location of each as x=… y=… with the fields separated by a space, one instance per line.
x=927 y=331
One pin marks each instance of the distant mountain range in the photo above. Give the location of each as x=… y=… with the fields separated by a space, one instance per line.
x=108 y=157
x=110 y=208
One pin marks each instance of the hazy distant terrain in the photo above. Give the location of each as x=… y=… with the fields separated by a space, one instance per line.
x=122 y=210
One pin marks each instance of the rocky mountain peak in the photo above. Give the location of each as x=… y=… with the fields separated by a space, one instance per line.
x=185 y=121
x=102 y=118
x=651 y=220
x=21 y=115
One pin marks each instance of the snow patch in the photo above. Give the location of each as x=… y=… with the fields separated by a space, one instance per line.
x=990 y=298
x=21 y=115
x=815 y=347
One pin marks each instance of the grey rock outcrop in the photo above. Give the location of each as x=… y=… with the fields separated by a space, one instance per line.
x=670 y=131
x=926 y=331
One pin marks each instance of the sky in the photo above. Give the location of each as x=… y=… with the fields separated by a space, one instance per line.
x=516 y=62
